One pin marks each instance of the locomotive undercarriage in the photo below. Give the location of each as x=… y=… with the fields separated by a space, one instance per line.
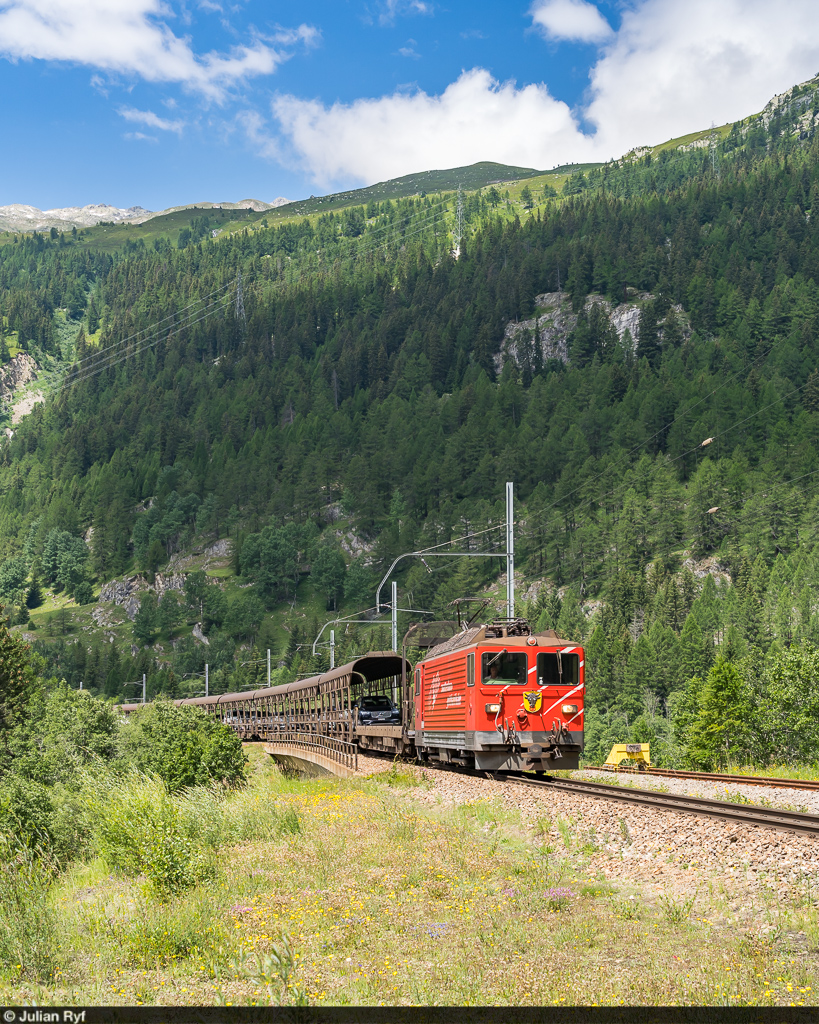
x=488 y=751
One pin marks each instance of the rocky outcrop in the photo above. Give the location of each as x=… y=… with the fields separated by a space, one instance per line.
x=211 y=557
x=219 y=549
x=126 y=594
x=101 y=617
x=171 y=581
x=16 y=374
x=199 y=635
x=626 y=318
x=710 y=566
x=550 y=331
x=117 y=591
x=352 y=545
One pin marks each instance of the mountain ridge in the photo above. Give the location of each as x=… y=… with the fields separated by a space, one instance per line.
x=22 y=217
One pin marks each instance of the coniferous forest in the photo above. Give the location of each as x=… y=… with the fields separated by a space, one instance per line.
x=332 y=392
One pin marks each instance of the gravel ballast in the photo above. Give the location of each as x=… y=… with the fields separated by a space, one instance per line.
x=645 y=844
x=806 y=800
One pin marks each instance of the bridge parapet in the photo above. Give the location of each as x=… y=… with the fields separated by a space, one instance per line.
x=314 y=754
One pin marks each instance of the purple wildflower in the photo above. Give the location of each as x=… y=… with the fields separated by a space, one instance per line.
x=557 y=898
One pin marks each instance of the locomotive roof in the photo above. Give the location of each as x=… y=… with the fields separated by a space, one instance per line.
x=478 y=635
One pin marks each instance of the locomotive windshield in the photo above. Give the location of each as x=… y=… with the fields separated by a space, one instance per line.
x=549 y=668
x=504 y=668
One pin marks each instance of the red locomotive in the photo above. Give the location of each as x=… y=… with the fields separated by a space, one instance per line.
x=500 y=698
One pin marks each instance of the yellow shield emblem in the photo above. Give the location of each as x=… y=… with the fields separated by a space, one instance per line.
x=532 y=701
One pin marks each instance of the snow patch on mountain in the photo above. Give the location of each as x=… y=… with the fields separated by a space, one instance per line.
x=20 y=217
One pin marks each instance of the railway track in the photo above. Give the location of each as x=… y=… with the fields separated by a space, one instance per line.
x=749 y=780
x=765 y=817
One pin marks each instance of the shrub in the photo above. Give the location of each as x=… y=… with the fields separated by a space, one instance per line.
x=26 y=812
x=184 y=746
x=62 y=731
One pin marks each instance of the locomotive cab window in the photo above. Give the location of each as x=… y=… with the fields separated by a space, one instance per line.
x=555 y=669
x=470 y=670
x=504 y=667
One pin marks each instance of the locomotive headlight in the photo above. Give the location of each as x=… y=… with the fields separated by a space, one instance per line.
x=569 y=709
x=492 y=709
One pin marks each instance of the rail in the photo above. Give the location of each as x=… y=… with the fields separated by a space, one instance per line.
x=767 y=817
x=750 y=780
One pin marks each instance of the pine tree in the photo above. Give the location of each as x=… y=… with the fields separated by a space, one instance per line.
x=145 y=622
x=721 y=732
x=695 y=651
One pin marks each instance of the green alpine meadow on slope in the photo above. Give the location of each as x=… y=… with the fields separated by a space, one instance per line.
x=248 y=416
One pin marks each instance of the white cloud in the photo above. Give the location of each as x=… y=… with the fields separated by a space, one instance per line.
x=140 y=137
x=389 y=10
x=309 y=35
x=152 y=120
x=409 y=50
x=130 y=37
x=675 y=66
x=475 y=118
x=254 y=127
x=574 y=20
x=672 y=67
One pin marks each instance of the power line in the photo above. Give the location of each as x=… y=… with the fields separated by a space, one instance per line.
x=114 y=358
x=90 y=361
x=98 y=361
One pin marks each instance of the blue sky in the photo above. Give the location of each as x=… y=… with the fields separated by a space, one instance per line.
x=163 y=102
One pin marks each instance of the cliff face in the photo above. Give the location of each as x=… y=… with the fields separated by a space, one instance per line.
x=553 y=327
x=15 y=374
x=551 y=330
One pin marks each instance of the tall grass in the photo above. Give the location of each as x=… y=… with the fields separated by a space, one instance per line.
x=171 y=839
x=29 y=933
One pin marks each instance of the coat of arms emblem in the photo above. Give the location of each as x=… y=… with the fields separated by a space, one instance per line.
x=532 y=701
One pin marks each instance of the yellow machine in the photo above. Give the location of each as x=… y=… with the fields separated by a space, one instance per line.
x=637 y=754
